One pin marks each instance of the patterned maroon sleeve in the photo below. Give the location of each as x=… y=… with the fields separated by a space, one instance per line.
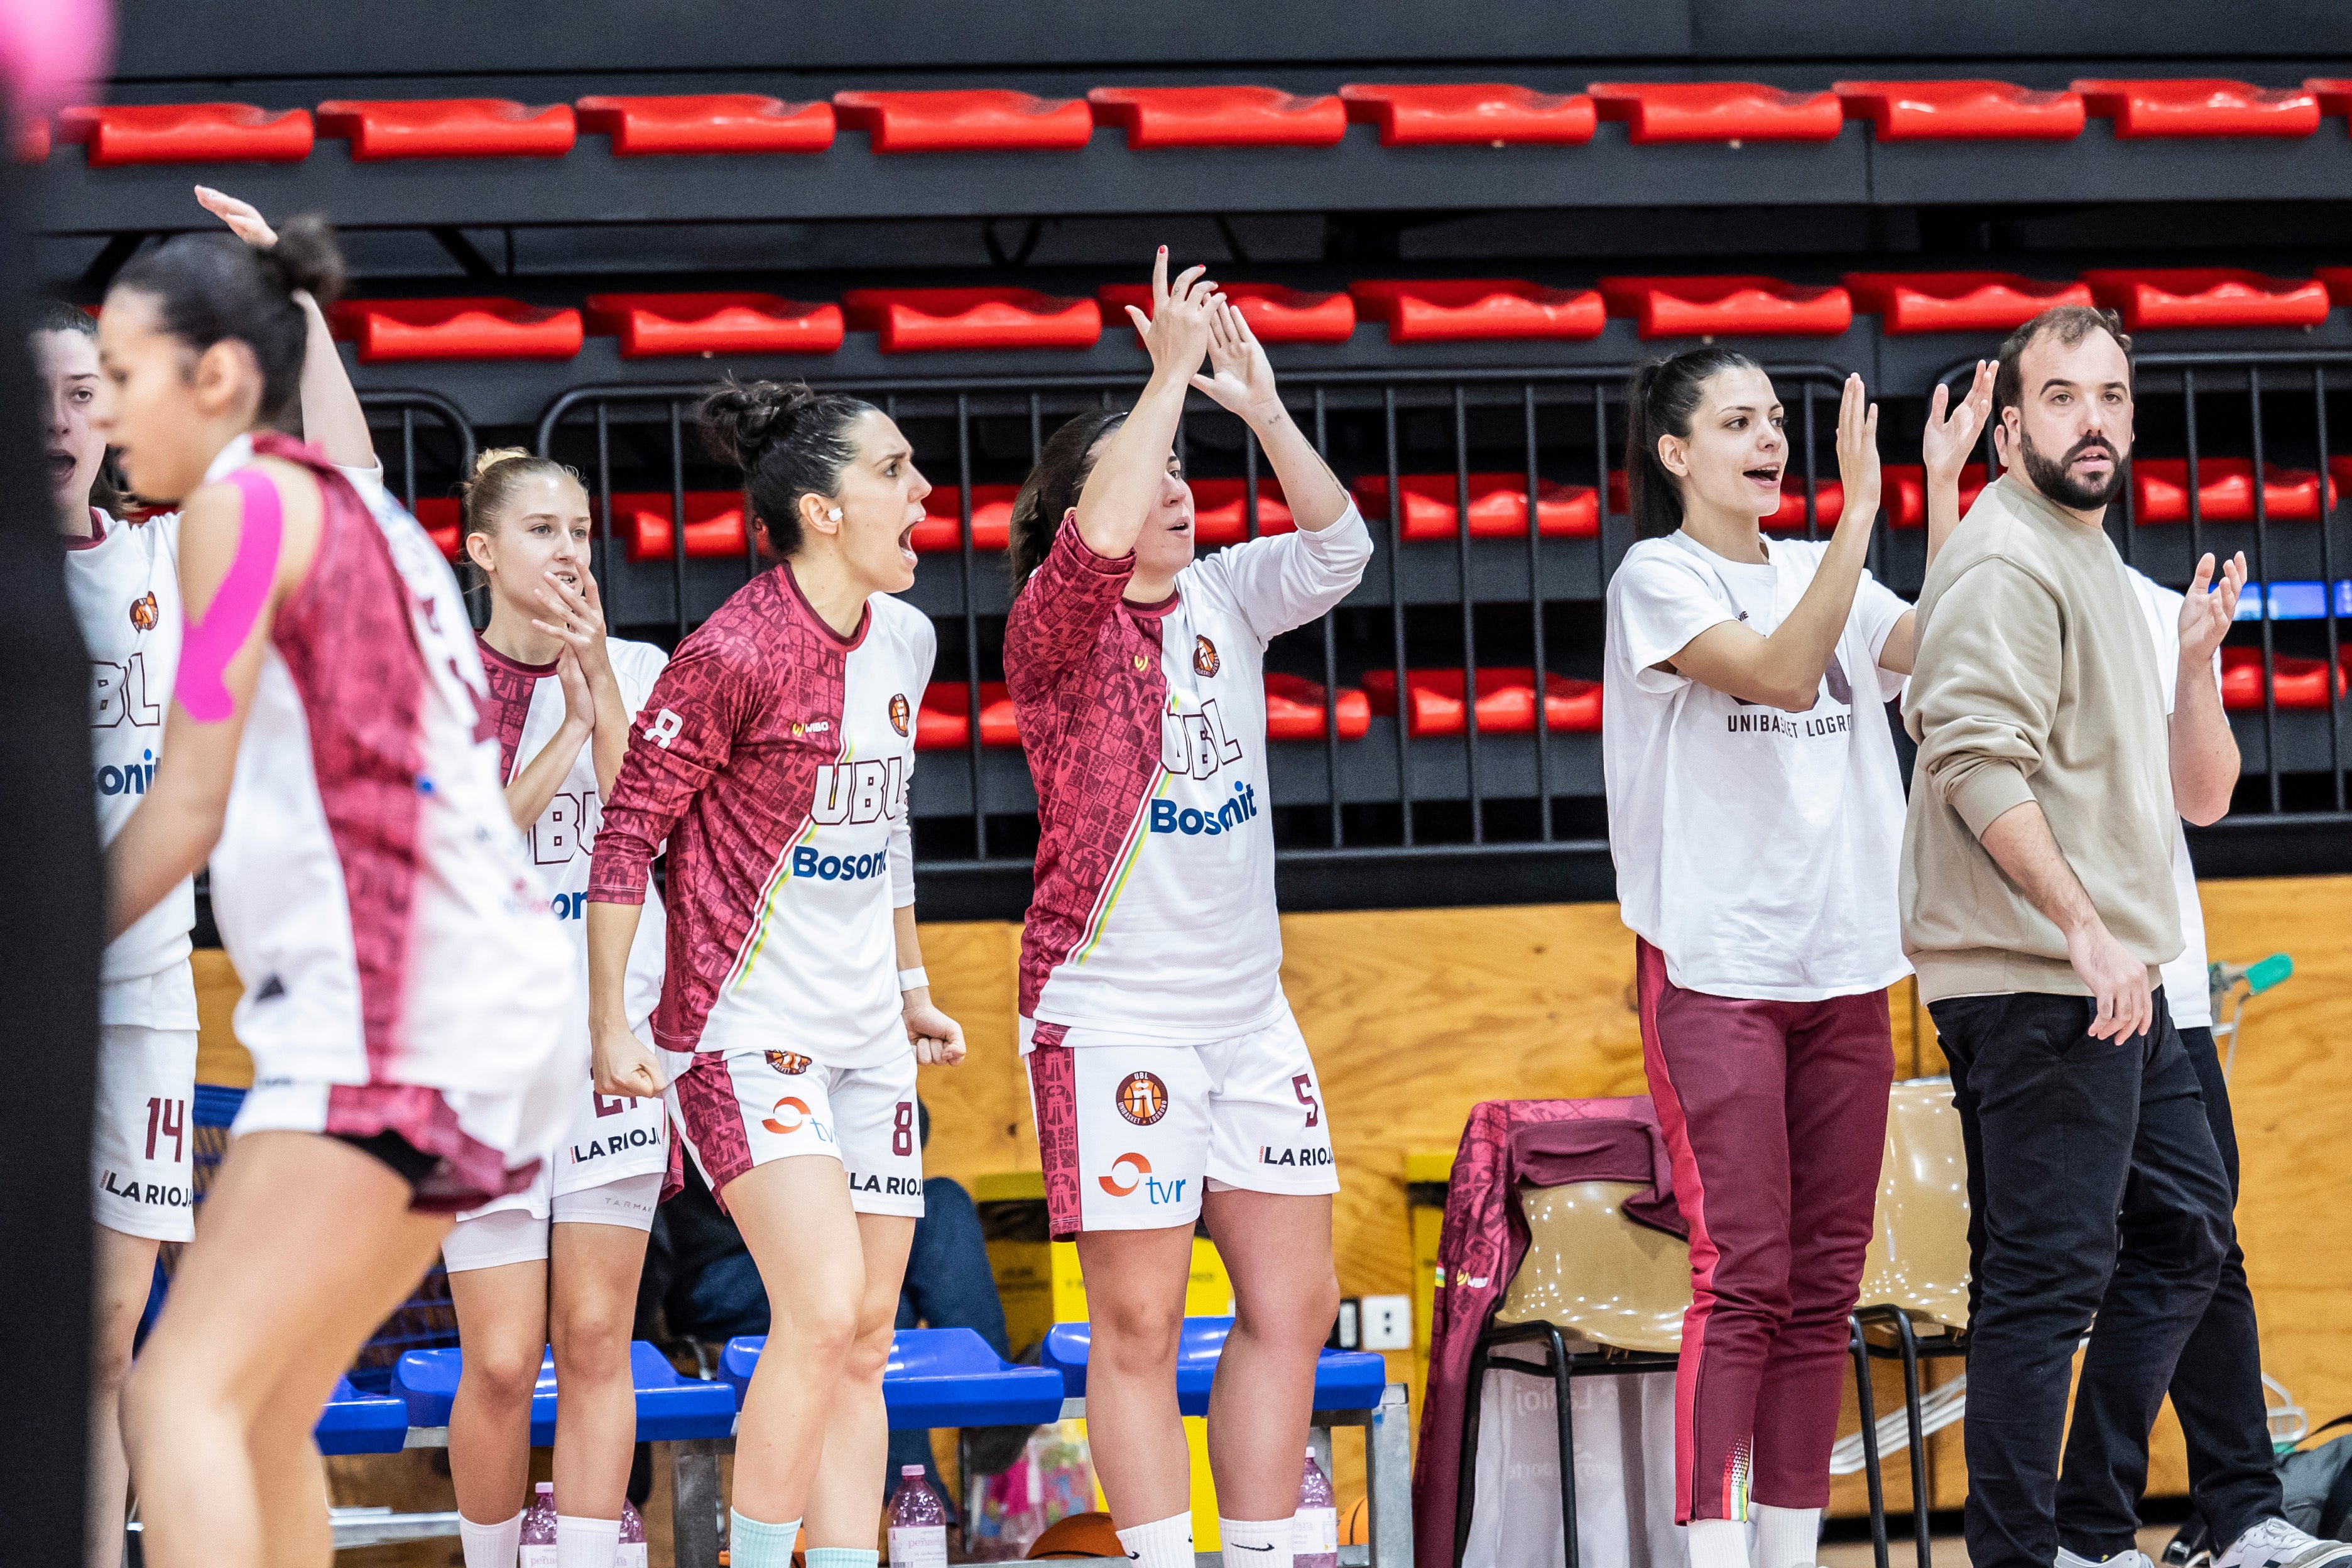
x=683 y=735
x=1060 y=610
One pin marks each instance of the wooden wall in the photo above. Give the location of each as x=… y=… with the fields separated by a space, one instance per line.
x=1415 y=1015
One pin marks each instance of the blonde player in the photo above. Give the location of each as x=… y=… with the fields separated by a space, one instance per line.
x=560 y=1262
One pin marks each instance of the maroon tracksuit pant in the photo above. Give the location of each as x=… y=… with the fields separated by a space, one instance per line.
x=1775 y=1115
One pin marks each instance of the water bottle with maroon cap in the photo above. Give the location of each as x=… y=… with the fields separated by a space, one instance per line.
x=919 y=1522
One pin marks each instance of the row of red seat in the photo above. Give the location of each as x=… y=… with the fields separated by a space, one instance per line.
x=1451 y=310
x=1498 y=507
x=1296 y=708
x=1474 y=113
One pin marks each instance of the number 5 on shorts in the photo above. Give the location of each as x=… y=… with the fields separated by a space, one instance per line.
x=1299 y=1086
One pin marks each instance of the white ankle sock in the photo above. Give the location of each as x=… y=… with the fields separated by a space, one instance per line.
x=751 y=1544
x=496 y=1545
x=1162 y=1543
x=586 y=1542
x=1718 y=1543
x=1255 y=1544
x=1785 y=1537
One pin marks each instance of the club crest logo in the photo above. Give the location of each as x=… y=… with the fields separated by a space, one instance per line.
x=144 y=612
x=791 y=1063
x=1142 y=1099
x=900 y=712
x=1204 y=656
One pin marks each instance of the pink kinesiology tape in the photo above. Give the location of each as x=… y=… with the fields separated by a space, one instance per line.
x=209 y=643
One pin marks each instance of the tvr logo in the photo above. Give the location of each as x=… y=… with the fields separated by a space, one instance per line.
x=1196 y=744
x=859 y=791
x=1129 y=1172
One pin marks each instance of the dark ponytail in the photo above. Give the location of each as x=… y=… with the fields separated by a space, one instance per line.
x=106 y=491
x=1663 y=398
x=211 y=288
x=790 y=441
x=1052 y=489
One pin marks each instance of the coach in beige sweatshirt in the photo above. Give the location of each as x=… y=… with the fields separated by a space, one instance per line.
x=2038 y=905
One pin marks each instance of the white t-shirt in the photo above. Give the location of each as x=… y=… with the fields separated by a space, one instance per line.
x=1758 y=850
x=2186 y=990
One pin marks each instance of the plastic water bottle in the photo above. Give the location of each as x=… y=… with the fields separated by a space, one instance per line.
x=632 y=1537
x=919 y=1522
x=1315 y=1534
x=539 y=1528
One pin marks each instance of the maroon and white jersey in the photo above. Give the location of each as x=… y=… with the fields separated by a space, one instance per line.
x=611 y=1136
x=1154 y=919
x=369 y=882
x=774 y=756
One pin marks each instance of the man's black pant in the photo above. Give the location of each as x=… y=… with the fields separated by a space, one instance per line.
x=2217 y=1391
x=2063 y=1135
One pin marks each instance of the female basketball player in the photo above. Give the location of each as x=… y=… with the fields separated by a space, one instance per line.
x=559 y=1262
x=1756 y=815
x=1169 y=1078
x=124 y=581
x=773 y=760
x=404 y=983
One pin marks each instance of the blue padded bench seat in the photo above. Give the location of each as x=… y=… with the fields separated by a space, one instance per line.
x=938 y=1377
x=1344 y=1380
x=669 y=1407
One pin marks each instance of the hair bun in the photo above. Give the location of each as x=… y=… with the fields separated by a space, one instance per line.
x=744 y=418
x=490 y=457
x=306 y=257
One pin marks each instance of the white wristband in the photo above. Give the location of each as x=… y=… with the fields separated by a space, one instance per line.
x=914 y=979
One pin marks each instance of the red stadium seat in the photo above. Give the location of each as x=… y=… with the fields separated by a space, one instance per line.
x=2298 y=682
x=941 y=529
x=1743 y=306
x=1498 y=506
x=944 y=720
x=1469 y=114
x=1829 y=499
x=1717 y=112
x=445 y=519
x=707 y=123
x=1902 y=490
x=2338 y=283
x=448 y=127
x=188 y=133
x=33 y=142
x=1221 y=510
x=1219 y=117
x=1961 y=111
x=984 y=120
x=2206 y=297
x=1958 y=301
x=1276 y=314
x=914 y=319
x=1507 y=700
x=2201 y=106
x=457 y=329
x=1457 y=310
x=2335 y=93
x=650 y=325
x=1295 y=710
x=714 y=525
x=2225 y=492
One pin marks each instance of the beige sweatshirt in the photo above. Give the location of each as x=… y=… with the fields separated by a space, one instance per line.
x=2035 y=682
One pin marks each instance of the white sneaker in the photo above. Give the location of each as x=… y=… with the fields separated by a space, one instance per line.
x=2275 y=1544
x=2120 y=1560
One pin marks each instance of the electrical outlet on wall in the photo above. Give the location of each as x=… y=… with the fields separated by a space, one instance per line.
x=1385 y=1322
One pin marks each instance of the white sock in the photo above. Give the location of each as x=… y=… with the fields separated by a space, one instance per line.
x=1162 y=1543
x=751 y=1544
x=1252 y=1543
x=586 y=1542
x=1785 y=1537
x=490 y=1545
x=1718 y=1543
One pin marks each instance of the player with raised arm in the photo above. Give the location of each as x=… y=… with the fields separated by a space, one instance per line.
x=403 y=982
x=773 y=757
x=1170 y=1081
x=558 y=1263
x=123 y=574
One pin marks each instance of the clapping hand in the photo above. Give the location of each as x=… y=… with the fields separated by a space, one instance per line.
x=2205 y=616
x=1952 y=438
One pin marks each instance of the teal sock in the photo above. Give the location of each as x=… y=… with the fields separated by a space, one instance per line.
x=752 y=1544
x=842 y=1557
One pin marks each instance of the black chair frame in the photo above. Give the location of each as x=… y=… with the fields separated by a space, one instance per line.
x=1910 y=1350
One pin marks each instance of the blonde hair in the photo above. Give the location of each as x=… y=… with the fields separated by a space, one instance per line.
x=486 y=494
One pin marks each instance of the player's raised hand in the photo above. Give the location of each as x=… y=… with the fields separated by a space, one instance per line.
x=1950 y=439
x=2206 y=615
x=577 y=616
x=1857 y=453
x=243 y=218
x=1176 y=333
x=1241 y=377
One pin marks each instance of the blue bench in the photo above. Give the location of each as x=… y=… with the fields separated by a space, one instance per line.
x=1344 y=1380
x=937 y=1377
x=356 y=1422
x=669 y=1407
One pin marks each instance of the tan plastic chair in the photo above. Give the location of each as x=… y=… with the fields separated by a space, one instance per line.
x=1592 y=1271
x=1919 y=1258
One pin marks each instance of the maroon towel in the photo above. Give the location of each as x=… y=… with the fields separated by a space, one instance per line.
x=1546 y=1143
